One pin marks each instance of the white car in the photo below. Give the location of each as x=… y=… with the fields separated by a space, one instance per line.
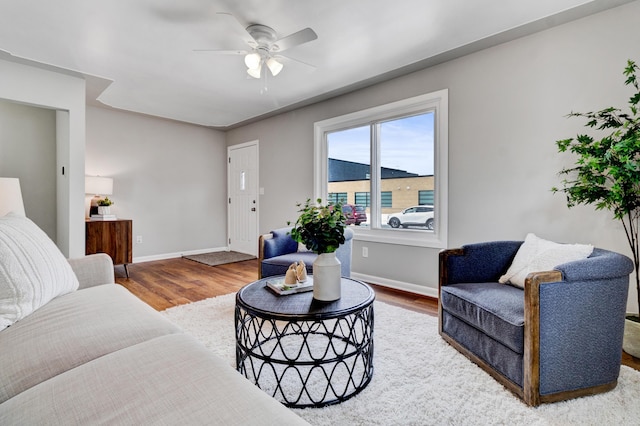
x=412 y=216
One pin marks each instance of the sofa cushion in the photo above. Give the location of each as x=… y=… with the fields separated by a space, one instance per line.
x=170 y=380
x=32 y=269
x=494 y=309
x=72 y=330
x=503 y=359
x=537 y=255
x=278 y=265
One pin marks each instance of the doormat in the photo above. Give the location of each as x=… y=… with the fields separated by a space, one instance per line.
x=219 y=257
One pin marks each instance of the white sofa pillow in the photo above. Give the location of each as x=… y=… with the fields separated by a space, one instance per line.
x=32 y=269
x=537 y=255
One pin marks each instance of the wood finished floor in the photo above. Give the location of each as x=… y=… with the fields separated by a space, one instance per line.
x=172 y=282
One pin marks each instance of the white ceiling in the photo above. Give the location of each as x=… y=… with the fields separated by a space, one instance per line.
x=142 y=50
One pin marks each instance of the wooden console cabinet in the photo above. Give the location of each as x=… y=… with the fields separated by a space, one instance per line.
x=112 y=237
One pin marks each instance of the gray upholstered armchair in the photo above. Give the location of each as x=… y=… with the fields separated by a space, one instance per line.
x=559 y=338
x=277 y=250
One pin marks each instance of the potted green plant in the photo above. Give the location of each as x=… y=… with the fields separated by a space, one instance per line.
x=607 y=175
x=104 y=205
x=321 y=229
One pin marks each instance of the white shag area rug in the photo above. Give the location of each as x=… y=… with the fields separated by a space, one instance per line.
x=420 y=380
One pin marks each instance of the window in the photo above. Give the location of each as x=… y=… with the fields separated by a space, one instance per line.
x=388 y=159
x=425 y=197
x=363 y=199
x=386 y=199
x=337 y=197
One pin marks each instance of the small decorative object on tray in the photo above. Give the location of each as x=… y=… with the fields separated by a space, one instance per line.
x=290 y=276
x=301 y=271
x=278 y=286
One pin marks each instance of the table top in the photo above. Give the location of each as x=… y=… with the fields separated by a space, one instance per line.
x=258 y=299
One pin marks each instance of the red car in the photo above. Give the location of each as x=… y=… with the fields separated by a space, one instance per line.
x=355 y=214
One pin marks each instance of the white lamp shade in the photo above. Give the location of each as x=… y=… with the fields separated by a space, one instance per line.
x=11 y=197
x=274 y=66
x=98 y=185
x=252 y=60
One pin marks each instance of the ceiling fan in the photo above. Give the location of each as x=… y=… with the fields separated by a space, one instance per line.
x=265 y=47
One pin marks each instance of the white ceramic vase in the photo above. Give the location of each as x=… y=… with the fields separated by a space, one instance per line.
x=327 y=277
x=631 y=341
x=104 y=209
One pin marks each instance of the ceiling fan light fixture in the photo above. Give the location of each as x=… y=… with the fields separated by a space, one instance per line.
x=255 y=72
x=252 y=60
x=274 y=66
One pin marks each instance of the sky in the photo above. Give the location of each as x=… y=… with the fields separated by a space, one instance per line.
x=406 y=144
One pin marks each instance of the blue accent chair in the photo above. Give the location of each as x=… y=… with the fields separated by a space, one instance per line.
x=559 y=338
x=277 y=250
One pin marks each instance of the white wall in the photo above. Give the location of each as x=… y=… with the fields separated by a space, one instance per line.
x=507 y=107
x=169 y=178
x=36 y=85
x=28 y=152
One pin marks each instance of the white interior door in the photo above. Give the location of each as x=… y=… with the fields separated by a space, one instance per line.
x=242 y=178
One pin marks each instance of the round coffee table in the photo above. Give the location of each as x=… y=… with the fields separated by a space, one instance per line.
x=303 y=352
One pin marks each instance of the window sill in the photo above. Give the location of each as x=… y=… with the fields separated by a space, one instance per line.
x=405 y=237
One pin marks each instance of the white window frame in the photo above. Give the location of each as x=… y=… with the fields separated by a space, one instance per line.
x=437 y=102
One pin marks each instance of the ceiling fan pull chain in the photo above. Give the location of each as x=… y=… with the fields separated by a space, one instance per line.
x=264 y=89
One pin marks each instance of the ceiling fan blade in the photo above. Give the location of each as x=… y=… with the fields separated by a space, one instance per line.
x=237 y=27
x=295 y=39
x=289 y=58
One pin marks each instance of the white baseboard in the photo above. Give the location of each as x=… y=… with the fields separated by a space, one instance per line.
x=399 y=285
x=164 y=256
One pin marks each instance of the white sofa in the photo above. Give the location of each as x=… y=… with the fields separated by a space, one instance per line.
x=98 y=355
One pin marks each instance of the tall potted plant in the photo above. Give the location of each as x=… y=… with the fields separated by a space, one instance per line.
x=321 y=229
x=607 y=175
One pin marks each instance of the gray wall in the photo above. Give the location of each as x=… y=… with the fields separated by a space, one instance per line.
x=28 y=152
x=169 y=178
x=507 y=107
x=42 y=85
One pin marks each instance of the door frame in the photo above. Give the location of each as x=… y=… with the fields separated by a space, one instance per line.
x=255 y=142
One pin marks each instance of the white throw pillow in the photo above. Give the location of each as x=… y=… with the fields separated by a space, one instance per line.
x=32 y=269
x=537 y=255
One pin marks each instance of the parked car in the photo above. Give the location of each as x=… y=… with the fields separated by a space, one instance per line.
x=355 y=214
x=413 y=216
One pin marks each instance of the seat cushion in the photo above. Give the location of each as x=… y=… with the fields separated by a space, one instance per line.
x=169 y=380
x=71 y=330
x=278 y=265
x=500 y=357
x=493 y=308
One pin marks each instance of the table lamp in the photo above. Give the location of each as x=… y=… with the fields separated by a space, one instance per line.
x=97 y=186
x=11 y=197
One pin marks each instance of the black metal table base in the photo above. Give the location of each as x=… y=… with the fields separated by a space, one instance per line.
x=306 y=363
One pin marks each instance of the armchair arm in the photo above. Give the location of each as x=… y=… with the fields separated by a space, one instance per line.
x=602 y=264
x=531 y=379
x=573 y=334
x=261 y=240
x=93 y=270
x=481 y=262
